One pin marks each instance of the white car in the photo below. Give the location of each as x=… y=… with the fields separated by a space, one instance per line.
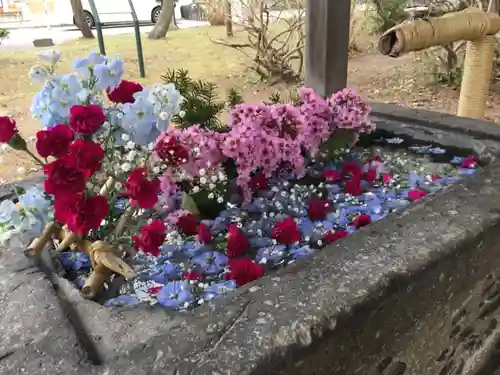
x=118 y=11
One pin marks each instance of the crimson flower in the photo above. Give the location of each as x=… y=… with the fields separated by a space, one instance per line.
x=64 y=177
x=140 y=190
x=259 y=182
x=354 y=186
x=54 y=141
x=8 y=129
x=124 y=93
x=435 y=177
x=387 y=179
x=332 y=175
x=370 y=175
x=88 y=154
x=195 y=276
x=244 y=270
x=319 y=208
x=237 y=243
x=170 y=150
x=154 y=290
x=469 y=162
x=416 y=194
x=204 y=234
x=351 y=168
x=286 y=231
x=334 y=236
x=150 y=238
x=361 y=221
x=187 y=224
x=86 y=119
x=79 y=213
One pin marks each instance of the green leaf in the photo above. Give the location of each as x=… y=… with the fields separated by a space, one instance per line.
x=339 y=140
x=188 y=204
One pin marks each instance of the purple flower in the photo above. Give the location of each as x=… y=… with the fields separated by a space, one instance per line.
x=216 y=289
x=175 y=294
x=170 y=270
x=74 y=260
x=211 y=263
x=273 y=254
x=298 y=252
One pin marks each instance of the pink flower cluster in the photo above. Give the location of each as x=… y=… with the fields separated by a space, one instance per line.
x=267 y=136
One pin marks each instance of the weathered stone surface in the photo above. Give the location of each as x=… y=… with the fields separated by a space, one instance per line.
x=36 y=337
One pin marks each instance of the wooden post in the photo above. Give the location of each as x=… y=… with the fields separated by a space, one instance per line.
x=228 y=18
x=327 y=45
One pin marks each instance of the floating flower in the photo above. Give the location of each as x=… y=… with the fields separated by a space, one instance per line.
x=140 y=190
x=244 y=270
x=171 y=151
x=8 y=129
x=469 y=162
x=237 y=243
x=64 y=176
x=150 y=238
x=217 y=289
x=204 y=234
x=319 y=208
x=176 y=294
x=211 y=263
x=124 y=92
x=387 y=179
x=332 y=175
x=354 y=186
x=259 y=182
x=75 y=261
x=334 y=236
x=351 y=168
x=79 y=213
x=370 y=175
x=416 y=194
x=88 y=154
x=361 y=221
x=286 y=231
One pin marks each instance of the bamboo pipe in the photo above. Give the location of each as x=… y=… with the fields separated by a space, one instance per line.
x=38 y=244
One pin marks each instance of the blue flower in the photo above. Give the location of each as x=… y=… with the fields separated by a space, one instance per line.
x=216 y=289
x=108 y=75
x=139 y=120
x=175 y=294
x=122 y=301
x=414 y=179
x=169 y=270
x=298 y=252
x=211 y=263
x=74 y=260
x=457 y=160
x=466 y=171
x=273 y=254
x=84 y=66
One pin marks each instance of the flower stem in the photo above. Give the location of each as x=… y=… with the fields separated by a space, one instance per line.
x=36 y=158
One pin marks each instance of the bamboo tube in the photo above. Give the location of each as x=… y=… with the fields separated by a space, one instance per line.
x=478 y=66
x=471 y=24
x=38 y=244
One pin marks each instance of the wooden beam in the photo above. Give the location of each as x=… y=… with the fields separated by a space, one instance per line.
x=327 y=45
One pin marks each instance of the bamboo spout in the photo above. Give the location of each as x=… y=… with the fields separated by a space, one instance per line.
x=471 y=24
x=36 y=247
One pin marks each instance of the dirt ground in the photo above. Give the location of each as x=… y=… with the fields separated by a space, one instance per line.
x=404 y=81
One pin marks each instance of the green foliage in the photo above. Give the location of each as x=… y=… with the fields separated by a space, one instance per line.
x=292 y=97
x=452 y=77
x=387 y=14
x=4 y=34
x=202 y=104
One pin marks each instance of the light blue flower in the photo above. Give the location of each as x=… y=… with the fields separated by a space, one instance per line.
x=298 y=252
x=216 y=289
x=176 y=294
x=85 y=66
x=139 y=121
x=108 y=74
x=74 y=260
x=211 y=263
x=273 y=254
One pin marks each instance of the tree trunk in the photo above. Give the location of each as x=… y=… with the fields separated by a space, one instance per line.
x=164 y=20
x=228 y=18
x=80 y=21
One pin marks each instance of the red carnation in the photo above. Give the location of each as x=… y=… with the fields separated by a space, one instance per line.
x=54 y=141
x=124 y=93
x=8 y=129
x=150 y=238
x=351 y=168
x=319 y=208
x=416 y=194
x=354 y=186
x=204 y=234
x=387 y=179
x=154 y=290
x=286 y=231
x=79 y=213
x=188 y=224
x=170 y=150
x=435 y=177
x=64 y=176
x=332 y=175
x=370 y=175
x=361 y=221
x=237 y=243
x=334 y=236
x=259 y=182
x=469 y=162
x=140 y=190
x=191 y=276
x=88 y=154
x=244 y=270
x=86 y=119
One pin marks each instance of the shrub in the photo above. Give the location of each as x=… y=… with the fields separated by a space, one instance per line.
x=4 y=34
x=386 y=14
